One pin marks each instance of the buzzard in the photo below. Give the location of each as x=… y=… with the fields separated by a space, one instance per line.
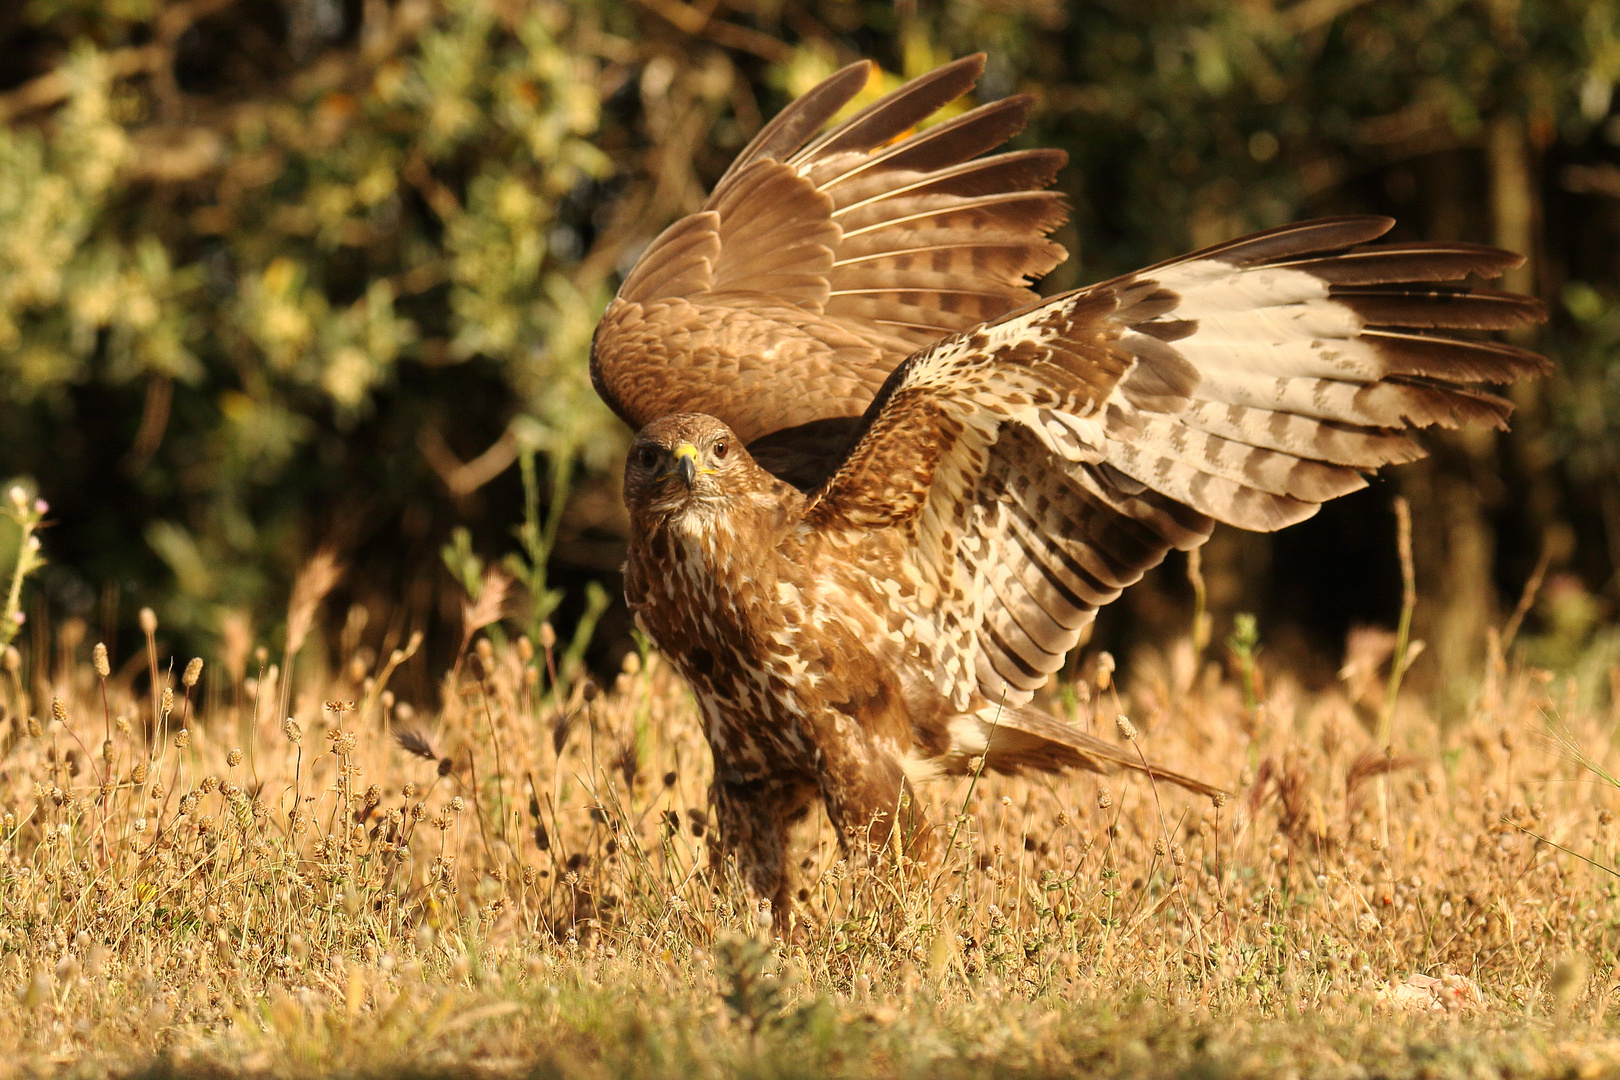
x=880 y=487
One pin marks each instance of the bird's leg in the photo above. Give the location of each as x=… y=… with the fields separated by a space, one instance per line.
x=866 y=795
x=754 y=820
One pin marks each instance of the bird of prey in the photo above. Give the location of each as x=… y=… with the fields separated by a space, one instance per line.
x=880 y=487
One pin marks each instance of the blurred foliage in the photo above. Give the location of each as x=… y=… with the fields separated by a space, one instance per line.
x=1192 y=122
x=282 y=272
x=241 y=285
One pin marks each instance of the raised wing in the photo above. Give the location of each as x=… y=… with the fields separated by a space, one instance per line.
x=821 y=261
x=1042 y=463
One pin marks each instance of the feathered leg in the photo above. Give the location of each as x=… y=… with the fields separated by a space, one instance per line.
x=866 y=795
x=754 y=821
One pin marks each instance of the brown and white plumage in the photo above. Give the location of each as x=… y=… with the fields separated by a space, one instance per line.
x=828 y=260
x=1088 y=435
x=944 y=477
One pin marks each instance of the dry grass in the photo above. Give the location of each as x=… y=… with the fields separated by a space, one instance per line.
x=522 y=886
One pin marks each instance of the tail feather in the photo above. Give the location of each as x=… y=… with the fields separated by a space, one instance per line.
x=1026 y=738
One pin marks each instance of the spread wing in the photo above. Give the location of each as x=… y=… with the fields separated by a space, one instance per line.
x=1042 y=463
x=821 y=261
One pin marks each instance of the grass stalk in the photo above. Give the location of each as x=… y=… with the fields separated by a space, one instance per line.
x=1398 y=663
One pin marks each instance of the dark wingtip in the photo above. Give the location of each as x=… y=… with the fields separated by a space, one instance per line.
x=803 y=117
x=865 y=67
x=974 y=60
x=1294 y=241
x=901 y=108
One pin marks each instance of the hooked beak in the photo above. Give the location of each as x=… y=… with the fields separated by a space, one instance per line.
x=686 y=463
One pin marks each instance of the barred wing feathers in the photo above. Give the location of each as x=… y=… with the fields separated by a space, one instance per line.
x=824 y=258
x=1044 y=462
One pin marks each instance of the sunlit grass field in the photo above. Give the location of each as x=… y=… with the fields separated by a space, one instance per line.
x=253 y=863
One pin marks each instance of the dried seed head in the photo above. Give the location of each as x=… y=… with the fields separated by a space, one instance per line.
x=291 y=729
x=35 y=728
x=168 y=701
x=1568 y=979
x=589 y=691
x=1105 y=798
x=108 y=751
x=182 y=739
x=137 y=773
x=548 y=636
x=1105 y=670
x=148 y=620
x=1178 y=854
x=1127 y=730
x=193 y=672
x=209 y=783
x=1219 y=799
x=98 y=656
x=67 y=970
x=39 y=991
x=410 y=790
x=457 y=805
x=1160 y=848
x=11 y=658
x=59 y=710
x=234 y=758
x=631 y=665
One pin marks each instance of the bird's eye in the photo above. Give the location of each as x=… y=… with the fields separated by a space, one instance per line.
x=720 y=449
x=647 y=456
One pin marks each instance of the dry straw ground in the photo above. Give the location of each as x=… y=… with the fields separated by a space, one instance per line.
x=192 y=882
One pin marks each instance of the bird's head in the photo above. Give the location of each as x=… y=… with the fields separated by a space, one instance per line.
x=683 y=469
